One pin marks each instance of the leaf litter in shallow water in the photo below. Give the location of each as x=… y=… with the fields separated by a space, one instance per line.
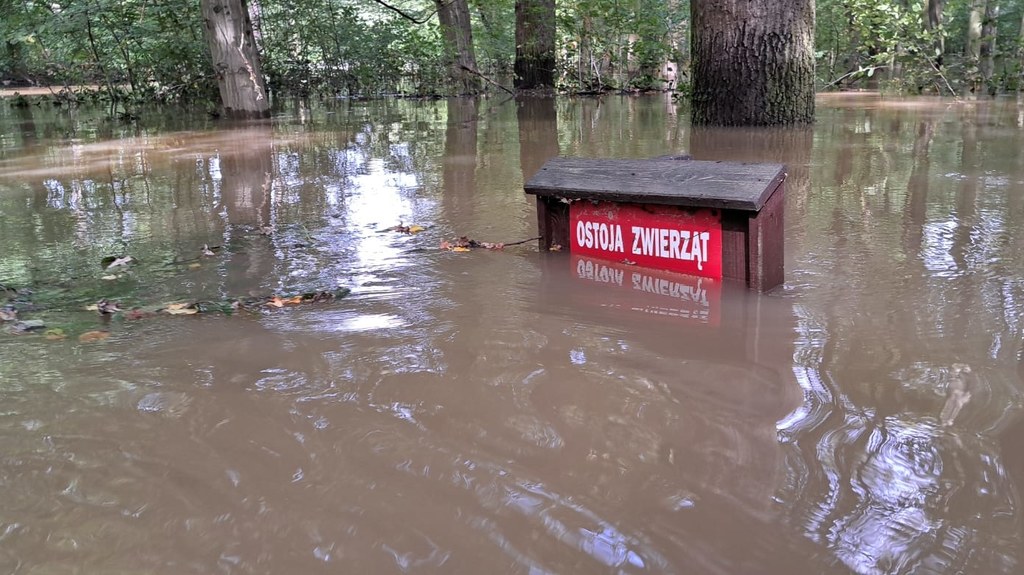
x=464 y=244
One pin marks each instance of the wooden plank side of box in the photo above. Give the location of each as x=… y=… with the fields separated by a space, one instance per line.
x=725 y=185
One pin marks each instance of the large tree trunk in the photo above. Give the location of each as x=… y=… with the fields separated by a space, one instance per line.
x=236 y=61
x=753 y=62
x=535 y=44
x=458 y=39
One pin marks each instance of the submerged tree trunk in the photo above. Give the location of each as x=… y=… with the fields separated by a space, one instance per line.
x=236 y=61
x=458 y=39
x=535 y=44
x=753 y=62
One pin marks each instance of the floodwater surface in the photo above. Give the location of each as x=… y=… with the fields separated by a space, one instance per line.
x=505 y=411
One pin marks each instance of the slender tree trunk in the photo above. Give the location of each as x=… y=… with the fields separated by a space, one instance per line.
x=588 y=79
x=535 y=44
x=236 y=61
x=753 y=62
x=987 y=53
x=1020 y=57
x=458 y=39
x=679 y=56
x=975 y=19
x=933 y=13
x=972 y=48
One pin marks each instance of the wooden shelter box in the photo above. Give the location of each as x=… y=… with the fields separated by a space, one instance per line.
x=722 y=220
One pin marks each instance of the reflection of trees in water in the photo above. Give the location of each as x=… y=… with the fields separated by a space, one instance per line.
x=899 y=494
x=893 y=462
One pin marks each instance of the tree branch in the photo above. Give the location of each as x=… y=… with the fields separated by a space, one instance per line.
x=485 y=78
x=939 y=72
x=838 y=80
x=408 y=17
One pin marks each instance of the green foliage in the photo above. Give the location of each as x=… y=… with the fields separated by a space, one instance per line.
x=888 y=43
x=154 y=50
x=341 y=48
x=136 y=50
x=494 y=35
x=617 y=44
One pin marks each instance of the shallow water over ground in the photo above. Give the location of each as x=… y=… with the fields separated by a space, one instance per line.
x=507 y=411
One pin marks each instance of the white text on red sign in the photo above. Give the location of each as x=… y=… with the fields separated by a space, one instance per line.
x=677 y=244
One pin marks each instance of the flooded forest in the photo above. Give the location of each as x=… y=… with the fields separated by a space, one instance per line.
x=323 y=338
x=506 y=410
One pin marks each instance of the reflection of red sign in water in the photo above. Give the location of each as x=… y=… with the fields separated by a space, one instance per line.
x=663 y=237
x=679 y=296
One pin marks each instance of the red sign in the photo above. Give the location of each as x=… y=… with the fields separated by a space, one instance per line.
x=675 y=295
x=663 y=237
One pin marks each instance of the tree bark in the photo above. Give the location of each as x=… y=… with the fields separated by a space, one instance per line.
x=458 y=38
x=236 y=61
x=974 y=22
x=933 y=13
x=535 y=44
x=753 y=62
x=987 y=52
x=1020 y=57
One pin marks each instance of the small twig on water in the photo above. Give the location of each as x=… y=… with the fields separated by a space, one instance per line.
x=522 y=241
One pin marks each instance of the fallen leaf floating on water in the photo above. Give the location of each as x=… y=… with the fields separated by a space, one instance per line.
x=208 y=251
x=180 y=309
x=54 y=334
x=278 y=301
x=93 y=336
x=410 y=229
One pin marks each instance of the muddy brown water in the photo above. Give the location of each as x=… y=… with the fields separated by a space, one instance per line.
x=508 y=412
